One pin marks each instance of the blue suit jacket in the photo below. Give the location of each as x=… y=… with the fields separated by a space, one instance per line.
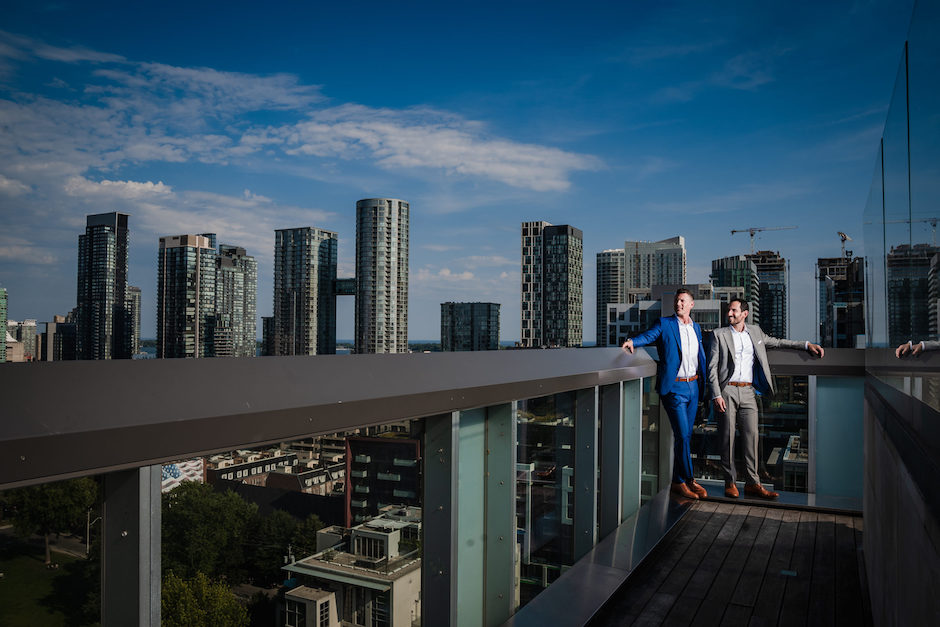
x=665 y=334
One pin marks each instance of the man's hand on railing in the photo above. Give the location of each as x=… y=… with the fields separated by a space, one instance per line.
x=909 y=347
x=815 y=349
x=628 y=345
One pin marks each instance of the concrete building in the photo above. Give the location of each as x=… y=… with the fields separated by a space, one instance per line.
x=25 y=333
x=236 y=293
x=840 y=284
x=57 y=342
x=185 y=297
x=610 y=288
x=552 y=285
x=101 y=316
x=773 y=273
x=382 y=227
x=372 y=570
x=739 y=271
x=469 y=326
x=304 y=301
x=654 y=263
x=624 y=320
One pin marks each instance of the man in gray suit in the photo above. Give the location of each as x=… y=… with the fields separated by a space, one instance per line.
x=737 y=365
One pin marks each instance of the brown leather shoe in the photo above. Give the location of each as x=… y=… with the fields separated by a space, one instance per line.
x=731 y=490
x=756 y=489
x=697 y=489
x=683 y=490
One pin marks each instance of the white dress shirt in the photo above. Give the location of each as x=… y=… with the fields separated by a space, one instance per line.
x=688 y=366
x=743 y=357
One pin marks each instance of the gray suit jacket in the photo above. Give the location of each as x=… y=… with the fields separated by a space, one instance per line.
x=721 y=357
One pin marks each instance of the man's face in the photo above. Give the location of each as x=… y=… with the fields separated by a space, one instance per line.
x=683 y=305
x=735 y=315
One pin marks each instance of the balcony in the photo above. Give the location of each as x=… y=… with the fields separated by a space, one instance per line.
x=558 y=457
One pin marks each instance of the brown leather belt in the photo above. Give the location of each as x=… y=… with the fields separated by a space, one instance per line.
x=689 y=379
x=739 y=384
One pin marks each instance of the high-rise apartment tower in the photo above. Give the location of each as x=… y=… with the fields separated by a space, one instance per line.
x=382 y=275
x=185 y=297
x=773 y=273
x=654 y=263
x=739 y=271
x=304 y=301
x=236 y=293
x=552 y=285
x=101 y=316
x=610 y=288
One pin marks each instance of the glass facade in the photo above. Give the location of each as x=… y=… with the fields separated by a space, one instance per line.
x=609 y=289
x=185 y=297
x=101 y=315
x=469 y=326
x=552 y=285
x=236 y=287
x=901 y=214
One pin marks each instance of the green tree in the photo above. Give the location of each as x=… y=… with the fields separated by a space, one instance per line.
x=304 y=542
x=199 y=602
x=274 y=534
x=51 y=507
x=206 y=531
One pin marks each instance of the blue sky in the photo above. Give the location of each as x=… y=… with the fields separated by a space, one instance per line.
x=628 y=120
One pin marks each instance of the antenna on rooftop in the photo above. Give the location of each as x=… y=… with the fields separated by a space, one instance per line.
x=845 y=238
x=755 y=229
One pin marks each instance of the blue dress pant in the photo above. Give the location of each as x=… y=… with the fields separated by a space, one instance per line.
x=681 y=405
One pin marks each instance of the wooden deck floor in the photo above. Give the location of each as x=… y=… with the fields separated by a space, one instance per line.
x=744 y=564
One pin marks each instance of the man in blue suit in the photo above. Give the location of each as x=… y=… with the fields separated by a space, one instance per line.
x=680 y=378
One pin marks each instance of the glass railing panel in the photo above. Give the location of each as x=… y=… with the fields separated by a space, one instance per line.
x=545 y=463
x=300 y=529
x=651 y=426
x=783 y=444
x=50 y=554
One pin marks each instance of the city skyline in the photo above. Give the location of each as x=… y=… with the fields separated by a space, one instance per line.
x=632 y=122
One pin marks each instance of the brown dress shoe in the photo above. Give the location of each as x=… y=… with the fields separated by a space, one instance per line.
x=697 y=489
x=731 y=491
x=683 y=490
x=756 y=489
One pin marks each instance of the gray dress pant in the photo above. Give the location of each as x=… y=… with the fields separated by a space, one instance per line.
x=741 y=405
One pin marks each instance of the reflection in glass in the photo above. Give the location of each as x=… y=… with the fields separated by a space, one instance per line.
x=783 y=447
x=50 y=554
x=545 y=490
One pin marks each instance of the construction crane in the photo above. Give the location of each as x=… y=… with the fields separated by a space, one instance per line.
x=845 y=238
x=756 y=229
x=931 y=221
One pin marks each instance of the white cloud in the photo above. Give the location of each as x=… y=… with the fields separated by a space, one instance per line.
x=13 y=249
x=128 y=190
x=476 y=261
x=12 y=187
x=426 y=138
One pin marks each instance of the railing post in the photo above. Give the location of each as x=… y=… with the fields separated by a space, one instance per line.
x=611 y=454
x=500 y=508
x=439 y=526
x=585 y=472
x=130 y=551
